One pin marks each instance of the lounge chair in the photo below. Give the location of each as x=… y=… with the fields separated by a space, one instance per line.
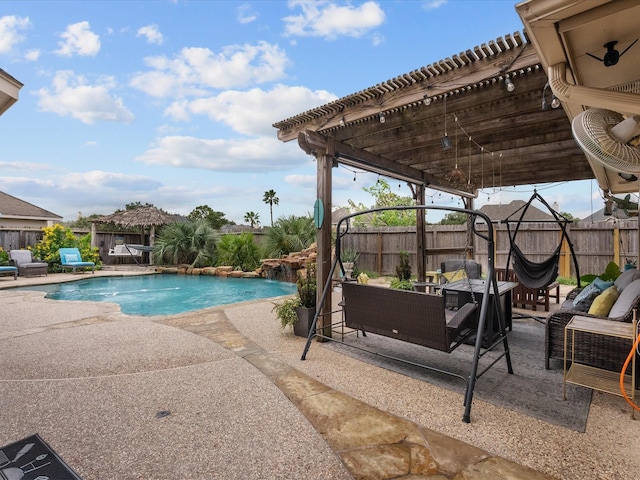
x=26 y=264
x=70 y=258
x=5 y=270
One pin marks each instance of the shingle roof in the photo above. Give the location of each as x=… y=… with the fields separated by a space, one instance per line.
x=11 y=206
x=501 y=212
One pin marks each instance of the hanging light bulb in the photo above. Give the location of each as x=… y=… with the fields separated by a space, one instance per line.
x=509 y=84
x=382 y=119
x=555 y=103
x=426 y=100
x=342 y=121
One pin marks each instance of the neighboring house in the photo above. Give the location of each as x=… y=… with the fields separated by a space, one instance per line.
x=602 y=216
x=500 y=212
x=9 y=88
x=18 y=214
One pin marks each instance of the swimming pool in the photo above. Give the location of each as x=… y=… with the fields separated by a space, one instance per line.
x=165 y=294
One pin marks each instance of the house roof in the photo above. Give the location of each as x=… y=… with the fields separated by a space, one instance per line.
x=13 y=207
x=501 y=212
x=9 y=88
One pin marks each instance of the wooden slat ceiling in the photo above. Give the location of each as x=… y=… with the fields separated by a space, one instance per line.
x=513 y=140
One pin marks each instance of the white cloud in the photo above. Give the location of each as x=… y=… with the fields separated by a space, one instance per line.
x=90 y=181
x=78 y=39
x=71 y=95
x=329 y=20
x=33 y=55
x=433 y=4
x=194 y=69
x=28 y=166
x=256 y=155
x=255 y=111
x=303 y=181
x=10 y=27
x=151 y=33
x=246 y=14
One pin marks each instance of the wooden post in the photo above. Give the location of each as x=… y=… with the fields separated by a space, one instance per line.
x=420 y=234
x=380 y=253
x=565 y=257
x=616 y=246
x=94 y=241
x=323 y=238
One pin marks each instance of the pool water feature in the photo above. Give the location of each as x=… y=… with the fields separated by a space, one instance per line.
x=162 y=294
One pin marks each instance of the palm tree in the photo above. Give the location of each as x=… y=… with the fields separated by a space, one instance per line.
x=253 y=218
x=191 y=242
x=270 y=199
x=289 y=234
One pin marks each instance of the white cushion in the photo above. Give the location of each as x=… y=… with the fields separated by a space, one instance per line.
x=626 y=300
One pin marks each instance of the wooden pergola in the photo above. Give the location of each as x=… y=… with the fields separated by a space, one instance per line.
x=499 y=136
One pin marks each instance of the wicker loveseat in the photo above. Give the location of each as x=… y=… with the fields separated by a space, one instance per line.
x=602 y=352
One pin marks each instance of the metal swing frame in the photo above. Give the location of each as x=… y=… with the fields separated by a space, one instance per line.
x=489 y=286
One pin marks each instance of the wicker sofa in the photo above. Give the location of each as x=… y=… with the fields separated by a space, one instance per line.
x=602 y=352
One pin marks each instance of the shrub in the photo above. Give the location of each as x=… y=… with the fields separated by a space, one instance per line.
x=4 y=257
x=289 y=234
x=58 y=236
x=401 y=284
x=192 y=242
x=239 y=251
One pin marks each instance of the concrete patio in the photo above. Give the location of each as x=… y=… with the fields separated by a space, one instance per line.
x=97 y=384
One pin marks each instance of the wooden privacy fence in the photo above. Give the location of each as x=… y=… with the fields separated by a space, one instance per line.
x=595 y=245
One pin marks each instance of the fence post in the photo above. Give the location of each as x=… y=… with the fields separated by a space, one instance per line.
x=616 y=245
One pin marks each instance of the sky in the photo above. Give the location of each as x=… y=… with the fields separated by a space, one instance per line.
x=172 y=102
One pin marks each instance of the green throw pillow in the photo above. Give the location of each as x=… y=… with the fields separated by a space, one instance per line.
x=602 y=304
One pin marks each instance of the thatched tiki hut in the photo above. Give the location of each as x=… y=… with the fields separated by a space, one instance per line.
x=144 y=217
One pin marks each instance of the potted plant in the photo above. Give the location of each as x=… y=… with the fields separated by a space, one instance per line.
x=307 y=288
x=349 y=257
x=286 y=311
x=299 y=311
x=403 y=273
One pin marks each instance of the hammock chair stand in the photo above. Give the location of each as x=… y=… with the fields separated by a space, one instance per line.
x=537 y=276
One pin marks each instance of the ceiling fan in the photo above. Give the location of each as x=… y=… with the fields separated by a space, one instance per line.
x=612 y=56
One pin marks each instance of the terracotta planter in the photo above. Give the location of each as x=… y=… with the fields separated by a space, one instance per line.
x=305 y=319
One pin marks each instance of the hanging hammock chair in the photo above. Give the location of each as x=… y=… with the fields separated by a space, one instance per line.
x=537 y=275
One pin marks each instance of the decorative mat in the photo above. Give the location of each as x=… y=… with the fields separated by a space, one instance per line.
x=531 y=390
x=33 y=459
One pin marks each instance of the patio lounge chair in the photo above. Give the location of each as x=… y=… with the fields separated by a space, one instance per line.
x=26 y=264
x=5 y=270
x=70 y=258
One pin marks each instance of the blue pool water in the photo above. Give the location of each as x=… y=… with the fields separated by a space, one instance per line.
x=165 y=294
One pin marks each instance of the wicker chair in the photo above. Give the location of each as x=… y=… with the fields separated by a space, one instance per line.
x=598 y=351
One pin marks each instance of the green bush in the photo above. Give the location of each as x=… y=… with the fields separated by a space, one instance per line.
x=289 y=234
x=192 y=242
x=4 y=257
x=401 y=284
x=58 y=236
x=239 y=251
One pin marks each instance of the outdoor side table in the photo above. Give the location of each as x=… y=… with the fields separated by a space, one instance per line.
x=593 y=377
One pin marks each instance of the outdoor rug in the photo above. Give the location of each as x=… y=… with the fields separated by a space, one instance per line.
x=32 y=459
x=531 y=390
